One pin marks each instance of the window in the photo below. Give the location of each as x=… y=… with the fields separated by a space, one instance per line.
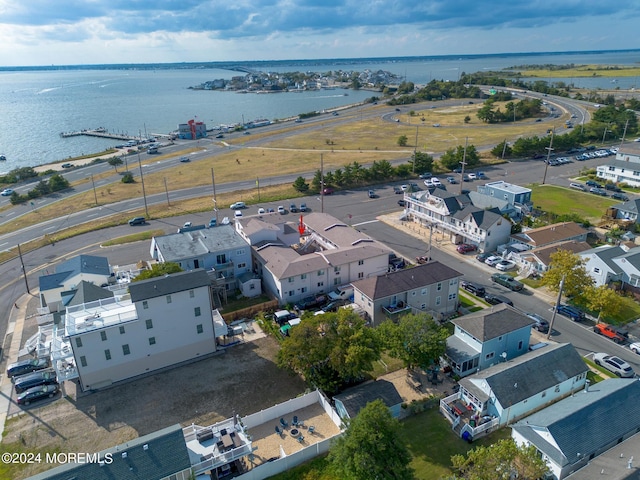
x=438 y=300
x=636 y=173
x=192 y=294
x=292 y=293
x=557 y=389
x=199 y=328
x=290 y=279
x=612 y=168
x=320 y=273
x=145 y=305
x=413 y=294
x=423 y=291
x=453 y=281
x=239 y=252
x=78 y=342
x=303 y=290
x=439 y=286
x=360 y=274
x=320 y=284
x=83 y=361
x=221 y=259
x=452 y=296
x=336 y=269
x=125 y=349
x=196 y=311
x=107 y=354
x=103 y=335
x=303 y=276
x=168 y=298
x=423 y=306
x=596 y=270
x=520 y=345
x=544 y=394
x=149 y=323
x=489 y=356
x=121 y=330
x=337 y=281
x=360 y=262
x=242 y=265
x=152 y=340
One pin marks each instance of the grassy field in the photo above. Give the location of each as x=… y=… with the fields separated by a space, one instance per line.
x=561 y=201
x=585 y=71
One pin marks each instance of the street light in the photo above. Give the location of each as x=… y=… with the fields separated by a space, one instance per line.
x=549 y=150
x=606 y=129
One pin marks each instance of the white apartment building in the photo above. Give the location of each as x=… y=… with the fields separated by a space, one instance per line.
x=625 y=168
x=162 y=322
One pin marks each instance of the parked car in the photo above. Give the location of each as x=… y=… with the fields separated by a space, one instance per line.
x=27 y=366
x=614 y=364
x=507 y=281
x=620 y=196
x=611 y=332
x=425 y=175
x=541 y=324
x=261 y=211
x=452 y=180
x=635 y=347
x=37 y=393
x=333 y=306
x=238 y=214
x=293 y=208
x=137 y=221
x=472 y=176
x=612 y=186
x=67 y=165
x=312 y=301
x=598 y=191
x=372 y=194
x=7 y=192
x=213 y=222
x=578 y=186
x=33 y=379
x=303 y=207
x=494 y=299
x=505 y=265
x=571 y=312
x=327 y=191
x=477 y=290
x=281 y=210
x=436 y=181
x=238 y=206
x=466 y=248
x=397 y=190
x=593 y=183
x=402 y=203
x=481 y=257
x=493 y=260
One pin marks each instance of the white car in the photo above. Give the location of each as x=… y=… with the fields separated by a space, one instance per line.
x=238 y=205
x=493 y=260
x=7 y=192
x=635 y=348
x=261 y=211
x=472 y=176
x=428 y=182
x=436 y=181
x=281 y=210
x=505 y=265
x=614 y=364
x=404 y=187
x=238 y=213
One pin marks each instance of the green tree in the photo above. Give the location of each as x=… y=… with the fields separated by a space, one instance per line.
x=403 y=140
x=301 y=185
x=128 y=178
x=502 y=460
x=503 y=148
x=417 y=339
x=371 y=447
x=115 y=162
x=452 y=158
x=330 y=350
x=569 y=265
x=57 y=182
x=423 y=162
x=158 y=270
x=603 y=300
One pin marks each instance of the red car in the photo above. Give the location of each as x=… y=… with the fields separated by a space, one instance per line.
x=466 y=248
x=327 y=191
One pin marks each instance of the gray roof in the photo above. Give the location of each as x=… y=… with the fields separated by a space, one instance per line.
x=356 y=398
x=632 y=257
x=405 y=280
x=459 y=351
x=85 y=292
x=606 y=254
x=632 y=206
x=166 y=454
x=196 y=243
x=587 y=421
x=86 y=264
x=484 y=219
x=492 y=323
x=453 y=201
x=336 y=231
x=481 y=200
x=528 y=375
x=160 y=286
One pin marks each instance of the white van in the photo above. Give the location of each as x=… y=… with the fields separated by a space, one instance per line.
x=343 y=292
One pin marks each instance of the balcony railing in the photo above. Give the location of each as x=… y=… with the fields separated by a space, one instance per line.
x=392 y=311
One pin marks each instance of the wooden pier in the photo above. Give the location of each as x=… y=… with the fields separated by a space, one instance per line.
x=98 y=132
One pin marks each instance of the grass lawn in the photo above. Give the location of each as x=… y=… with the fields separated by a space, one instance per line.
x=629 y=311
x=585 y=71
x=385 y=365
x=561 y=201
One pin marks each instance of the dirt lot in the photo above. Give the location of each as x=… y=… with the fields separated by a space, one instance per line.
x=242 y=380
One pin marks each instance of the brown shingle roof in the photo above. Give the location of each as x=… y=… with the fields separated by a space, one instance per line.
x=544 y=253
x=538 y=237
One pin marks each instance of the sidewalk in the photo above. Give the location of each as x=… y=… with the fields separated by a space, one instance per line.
x=17 y=319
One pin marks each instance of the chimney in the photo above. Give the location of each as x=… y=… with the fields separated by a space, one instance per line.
x=630 y=463
x=586 y=385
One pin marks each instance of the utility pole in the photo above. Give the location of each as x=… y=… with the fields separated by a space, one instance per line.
x=415 y=151
x=24 y=271
x=95 y=195
x=549 y=150
x=144 y=194
x=463 y=163
x=606 y=129
x=559 y=299
x=166 y=191
x=215 y=201
x=321 y=184
x=624 y=134
x=504 y=148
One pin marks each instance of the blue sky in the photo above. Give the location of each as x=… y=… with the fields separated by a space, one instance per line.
x=63 y=32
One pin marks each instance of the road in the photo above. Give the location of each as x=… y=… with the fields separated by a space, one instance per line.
x=353 y=207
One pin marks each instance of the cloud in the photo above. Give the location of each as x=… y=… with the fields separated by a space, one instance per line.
x=282 y=26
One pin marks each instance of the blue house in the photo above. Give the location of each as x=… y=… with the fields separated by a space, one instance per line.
x=514 y=194
x=485 y=338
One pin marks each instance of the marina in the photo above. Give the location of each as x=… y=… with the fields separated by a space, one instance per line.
x=98 y=132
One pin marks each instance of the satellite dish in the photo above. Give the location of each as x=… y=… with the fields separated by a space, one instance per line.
x=504 y=355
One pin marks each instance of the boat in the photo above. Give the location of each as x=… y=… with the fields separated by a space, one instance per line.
x=2 y=158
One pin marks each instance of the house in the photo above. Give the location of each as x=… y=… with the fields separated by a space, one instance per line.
x=160 y=455
x=430 y=288
x=487 y=337
x=550 y=234
x=600 y=265
x=69 y=274
x=163 y=321
x=625 y=168
x=573 y=432
x=328 y=253
x=518 y=198
x=454 y=215
x=539 y=259
x=349 y=403
x=628 y=210
x=220 y=251
x=515 y=388
x=629 y=263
